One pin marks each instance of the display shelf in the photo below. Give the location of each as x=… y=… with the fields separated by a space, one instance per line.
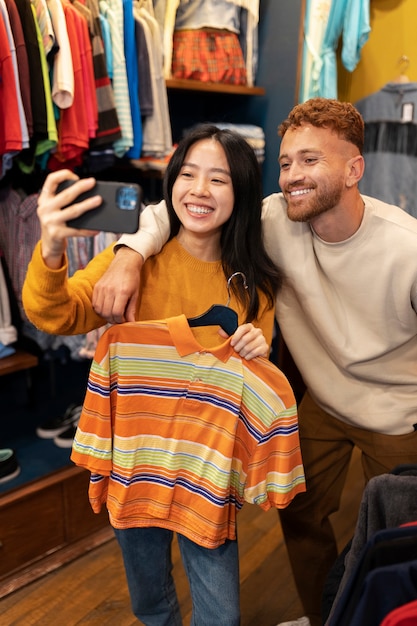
x=197 y=85
x=45 y=524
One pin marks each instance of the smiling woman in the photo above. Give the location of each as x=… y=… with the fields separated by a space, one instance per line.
x=212 y=189
x=203 y=199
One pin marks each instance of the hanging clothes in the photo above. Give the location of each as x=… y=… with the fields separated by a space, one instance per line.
x=230 y=22
x=113 y=12
x=315 y=23
x=145 y=82
x=63 y=71
x=108 y=129
x=75 y=77
x=22 y=61
x=131 y=56
x=390 y=149
x=22 y=117
x=73 y=128
x=10 y=128
x=157 y=136
x=348 y=19
x=388 y=501
x=37 y=88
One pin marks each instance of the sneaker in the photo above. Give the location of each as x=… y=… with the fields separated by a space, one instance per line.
x=65 y=439
x=301 y=621
x=9 y=466
x=57 y=425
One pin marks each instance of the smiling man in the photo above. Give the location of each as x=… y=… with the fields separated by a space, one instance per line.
x=347 y=312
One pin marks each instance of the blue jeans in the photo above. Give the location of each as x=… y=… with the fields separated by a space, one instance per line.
x=213 y=576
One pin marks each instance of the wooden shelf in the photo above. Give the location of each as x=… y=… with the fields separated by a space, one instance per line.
x=20 y=360
x=45 y=524
x=197 y=85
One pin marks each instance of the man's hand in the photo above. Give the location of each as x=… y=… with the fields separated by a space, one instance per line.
x=115 y=295
x=249 y=342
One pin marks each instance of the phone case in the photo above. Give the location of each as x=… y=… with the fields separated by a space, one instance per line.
x=119 y=211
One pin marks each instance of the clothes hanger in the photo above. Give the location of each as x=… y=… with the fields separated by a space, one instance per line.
x=220 y=314
x=402 y=77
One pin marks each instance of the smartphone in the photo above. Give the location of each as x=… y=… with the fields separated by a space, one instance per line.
x=119 y=211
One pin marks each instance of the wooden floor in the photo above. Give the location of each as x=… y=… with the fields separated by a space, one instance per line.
x=92 y=591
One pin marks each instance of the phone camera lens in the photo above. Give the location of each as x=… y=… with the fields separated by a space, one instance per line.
x=127 y=198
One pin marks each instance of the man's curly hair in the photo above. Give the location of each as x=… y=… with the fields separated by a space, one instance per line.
x=340 y=117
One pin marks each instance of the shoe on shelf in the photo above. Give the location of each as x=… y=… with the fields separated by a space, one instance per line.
x=9 y=466
x=65 y=439
x=301 y=621
x=57 y=425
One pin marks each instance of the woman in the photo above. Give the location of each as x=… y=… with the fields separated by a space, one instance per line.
x=213 y=193
x=61 y=305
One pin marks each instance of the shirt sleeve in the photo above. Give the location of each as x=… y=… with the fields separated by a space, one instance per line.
x=153 y=231
x=93 y=442
x=275 y=471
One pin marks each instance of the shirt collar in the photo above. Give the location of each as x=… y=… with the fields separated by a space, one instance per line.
x=185 y=342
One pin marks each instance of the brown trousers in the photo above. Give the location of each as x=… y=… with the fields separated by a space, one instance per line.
x=326 y=447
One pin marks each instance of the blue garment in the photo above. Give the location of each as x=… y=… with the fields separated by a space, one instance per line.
x=6 y=350
x=131 y=57
x=385 y=588
x=349 y=18
x=213 y=575
x=390 y=546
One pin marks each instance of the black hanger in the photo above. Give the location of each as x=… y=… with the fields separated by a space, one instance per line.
x=220 y=314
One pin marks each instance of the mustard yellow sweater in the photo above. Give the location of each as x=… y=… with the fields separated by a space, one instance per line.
x=172 y=282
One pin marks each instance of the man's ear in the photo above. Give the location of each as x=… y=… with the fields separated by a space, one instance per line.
x=355 y=170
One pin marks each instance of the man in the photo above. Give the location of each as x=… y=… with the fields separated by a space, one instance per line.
x=347 y=312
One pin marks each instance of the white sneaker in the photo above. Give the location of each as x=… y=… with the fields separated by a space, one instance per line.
x=301 y=621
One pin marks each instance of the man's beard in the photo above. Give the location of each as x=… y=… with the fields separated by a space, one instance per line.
x=319 y=203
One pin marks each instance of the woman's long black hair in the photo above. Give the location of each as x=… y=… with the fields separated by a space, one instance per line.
x=242 y=248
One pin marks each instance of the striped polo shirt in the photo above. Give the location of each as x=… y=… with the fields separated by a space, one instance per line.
x=179 y=436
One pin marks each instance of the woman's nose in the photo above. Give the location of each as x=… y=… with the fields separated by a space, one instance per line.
x=200 y=187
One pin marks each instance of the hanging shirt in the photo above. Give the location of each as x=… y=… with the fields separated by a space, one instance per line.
x=10 y=128
x=221 y=14
x=112 y=10
x=350 y=19
x=390 y=148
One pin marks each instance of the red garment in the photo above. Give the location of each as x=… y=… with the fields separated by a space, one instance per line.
x=86 y=56
x=405 y=615
x=73 y=135
x=10 y=128
x=208 y=56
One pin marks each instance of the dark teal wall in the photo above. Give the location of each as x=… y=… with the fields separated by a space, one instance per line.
x=278 y=56
x=277 y=72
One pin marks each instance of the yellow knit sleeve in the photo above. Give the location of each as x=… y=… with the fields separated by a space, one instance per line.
x=60 y=305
